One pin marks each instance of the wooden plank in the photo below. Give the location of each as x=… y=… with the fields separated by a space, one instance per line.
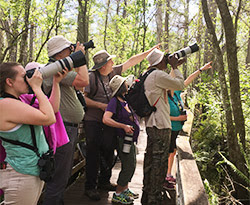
x=190 y=186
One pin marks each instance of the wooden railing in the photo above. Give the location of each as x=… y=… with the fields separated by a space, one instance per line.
x=190 y=189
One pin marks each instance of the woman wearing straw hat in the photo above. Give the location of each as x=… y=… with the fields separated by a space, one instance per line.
x=119 y=115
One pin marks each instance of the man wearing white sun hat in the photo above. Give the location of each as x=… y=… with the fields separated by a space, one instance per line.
x=158 y=124
x=100 y=138
x=72 y=113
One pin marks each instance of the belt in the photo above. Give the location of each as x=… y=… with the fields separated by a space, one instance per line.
x=70 y=124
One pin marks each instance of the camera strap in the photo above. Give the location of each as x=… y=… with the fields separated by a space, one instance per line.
x=100 y=78
x=180 y=107
x=22 y=144
x=32 y=130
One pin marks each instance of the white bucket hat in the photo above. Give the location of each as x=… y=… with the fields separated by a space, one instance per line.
x=56 y=44
x=155 y=57
x=116 y=82
x=101 y=58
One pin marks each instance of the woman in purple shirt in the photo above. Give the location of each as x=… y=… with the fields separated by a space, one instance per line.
x=119 y=114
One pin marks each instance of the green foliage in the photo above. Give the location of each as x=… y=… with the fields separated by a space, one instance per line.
x=212 y=196
x=234 y=168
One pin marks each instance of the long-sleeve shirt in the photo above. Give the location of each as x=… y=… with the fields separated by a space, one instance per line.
x=156 y=86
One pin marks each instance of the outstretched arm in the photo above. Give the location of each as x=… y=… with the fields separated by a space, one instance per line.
x=196 y=73
x=137 y=58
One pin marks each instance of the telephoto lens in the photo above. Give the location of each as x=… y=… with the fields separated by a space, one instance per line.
x=183 y=52
x=87 y=45
x=128 y=140
x=74 y=60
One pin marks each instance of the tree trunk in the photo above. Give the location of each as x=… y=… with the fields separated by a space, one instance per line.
x=23 y=45
x=208 y=47
x=166 y=27
x=248 y=53
x=231 y=47
x=31 y=40
x=82 y=30
x=186 y=25
x=106 y=24
x=159 y=21
x=235 y=155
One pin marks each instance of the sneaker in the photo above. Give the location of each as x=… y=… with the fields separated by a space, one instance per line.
x=107 y=187
x=122 y=199
x=168 y=186
x=93 y=194
x=131 y=194
x=171 y=179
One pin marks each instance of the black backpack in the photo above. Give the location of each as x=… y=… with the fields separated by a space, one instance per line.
x=137 y=99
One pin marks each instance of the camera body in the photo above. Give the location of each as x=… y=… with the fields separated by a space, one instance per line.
x=183 y=52
x=87 y=45
x=74 y=60
x=128 y=140
x=46 y=164
x=183 y=112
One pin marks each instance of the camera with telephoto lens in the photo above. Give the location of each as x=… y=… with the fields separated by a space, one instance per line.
x=183 y=52
x=74 y=60
x=128 y=140
x=87 y=45
x=46 y=164
x=183 y=112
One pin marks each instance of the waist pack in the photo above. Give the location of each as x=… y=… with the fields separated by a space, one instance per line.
x=46 y=162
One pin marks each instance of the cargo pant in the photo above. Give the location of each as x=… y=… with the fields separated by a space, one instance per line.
x=155 y=165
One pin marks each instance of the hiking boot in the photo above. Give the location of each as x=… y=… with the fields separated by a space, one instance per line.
x=168 y=186
x=107 y=187
x=131 y=194
x=122 y=199
x=170 y=179
x=93 y=194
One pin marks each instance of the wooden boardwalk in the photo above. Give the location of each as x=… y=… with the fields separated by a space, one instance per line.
x=75 y=193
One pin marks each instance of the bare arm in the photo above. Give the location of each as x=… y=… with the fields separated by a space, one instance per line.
x=94 y=104
x=55 y=93
x=15 y=112
x=178 y=118
x=196 y=73
x=107 y=119
x=137 y=58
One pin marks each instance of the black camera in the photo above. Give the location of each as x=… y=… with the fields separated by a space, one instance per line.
x=74 y=60
x=183 y=112
x=46 y=164
x=87 y=45
x=183 y=52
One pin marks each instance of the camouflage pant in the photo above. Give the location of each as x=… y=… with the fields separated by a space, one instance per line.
x=155 y=165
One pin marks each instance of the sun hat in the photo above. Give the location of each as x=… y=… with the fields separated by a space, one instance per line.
x=56 y=44
x=116 y=82
x=155 y=57
x=32 y=65
x=101 y=58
